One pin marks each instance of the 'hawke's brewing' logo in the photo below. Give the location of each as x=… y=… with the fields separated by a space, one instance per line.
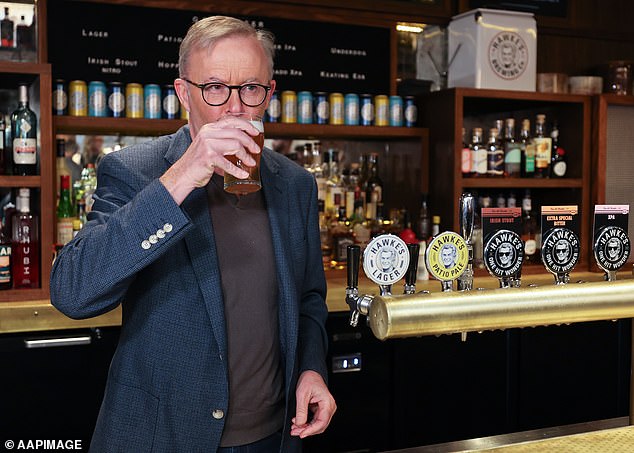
x=508 y=55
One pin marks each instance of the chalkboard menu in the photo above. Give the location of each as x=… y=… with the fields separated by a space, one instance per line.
x=95 y=41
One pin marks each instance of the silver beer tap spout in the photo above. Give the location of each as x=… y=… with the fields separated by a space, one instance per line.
x=467 y=219
x=359 y=305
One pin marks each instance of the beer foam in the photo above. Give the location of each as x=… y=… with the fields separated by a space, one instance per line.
x=258 y=125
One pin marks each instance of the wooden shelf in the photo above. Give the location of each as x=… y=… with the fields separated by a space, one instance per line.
x=142 y=126
x=20 y=181
x=522 y=183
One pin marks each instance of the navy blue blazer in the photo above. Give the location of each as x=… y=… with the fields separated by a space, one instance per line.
x=167 y=383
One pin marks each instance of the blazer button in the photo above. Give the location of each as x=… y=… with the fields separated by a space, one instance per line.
x=218 y=414
x=146 y=244
x=167 y=227
x=160 y=233
x=153 y=239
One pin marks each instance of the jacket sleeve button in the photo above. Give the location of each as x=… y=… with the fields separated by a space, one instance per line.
x=146 y=244
x=218 y=414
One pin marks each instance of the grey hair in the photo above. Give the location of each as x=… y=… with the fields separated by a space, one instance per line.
x=206 y=32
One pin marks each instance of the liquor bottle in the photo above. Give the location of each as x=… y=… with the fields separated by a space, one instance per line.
x=543 y=148
x=342 y=237
x=23 y=35
x=60 y=163
x=307 y=156
x=6 y=30
x=466 y=157
x=334 y=185
x=528 y=150
x=26 y=244
x=360 y=229
x=351 y=188
x=512 y=150
x=558 y=165
x=423 y=227
x=6 y=281
x=89 y=184
x=65 y=212
x=324 y=234
x=479 y=154
x=2 y=132
x=318 y=172
x=24 y=131
x=407 y=234
x=495 y=155
x=529 y=230
x=373 y=189
x=435 y=226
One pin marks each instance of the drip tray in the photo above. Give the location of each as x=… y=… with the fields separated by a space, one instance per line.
x=613 y=435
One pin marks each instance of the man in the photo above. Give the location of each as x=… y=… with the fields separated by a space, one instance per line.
x=223 y=341
x=505 y=255
x=448 y=255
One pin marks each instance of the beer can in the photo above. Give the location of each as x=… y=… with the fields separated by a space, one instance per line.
x=367 y=110
x=134 y=100
x=336 y=108
x=97 y=96
x=152 y=101
x=351 y=109
x=78 y=94
x=381 y=110
x=274 y=110
x=289 y=107
x=170 y=103
x=116 y=100
x=396 y=111
x=411 y=112
x=322 y=108
x=304 y=107
x=60 y=98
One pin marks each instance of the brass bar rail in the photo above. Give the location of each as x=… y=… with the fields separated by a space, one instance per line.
x=458 y=311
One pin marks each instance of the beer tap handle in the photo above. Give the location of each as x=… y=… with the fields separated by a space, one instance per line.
x=353 y=256
x=412 y=270
x=467 y=220
x=467 y=216
x=352 y=292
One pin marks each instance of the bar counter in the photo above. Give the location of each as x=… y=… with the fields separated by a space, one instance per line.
x=40 y=315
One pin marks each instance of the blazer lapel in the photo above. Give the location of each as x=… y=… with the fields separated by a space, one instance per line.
x=201 y=245
x=275 y=188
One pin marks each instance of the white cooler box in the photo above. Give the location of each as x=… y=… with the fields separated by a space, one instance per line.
x=493 y=49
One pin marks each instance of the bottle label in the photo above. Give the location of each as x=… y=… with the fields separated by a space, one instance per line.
x=543 y=148
x=495 y=162
x=367 y=112
x=480 y=160
x=513 y=155
x=60 y=100
x=116 y=102
x=5 y=264
x=530 y=247
x=170 y=104
x=466 y=160
x=559 y=169
x=25 y=151
x=64 y=230
x=529 y=164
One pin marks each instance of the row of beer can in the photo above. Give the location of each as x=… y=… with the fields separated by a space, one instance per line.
x=132 y=100
x=305 y=107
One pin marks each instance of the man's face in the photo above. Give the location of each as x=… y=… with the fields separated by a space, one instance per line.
x=386 y=260
x=561 y=251
x=613 y=249
x=505 y=252
x=447 y=256
x=234 y=60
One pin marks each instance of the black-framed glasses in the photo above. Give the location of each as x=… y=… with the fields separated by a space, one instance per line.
x=218 y=93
